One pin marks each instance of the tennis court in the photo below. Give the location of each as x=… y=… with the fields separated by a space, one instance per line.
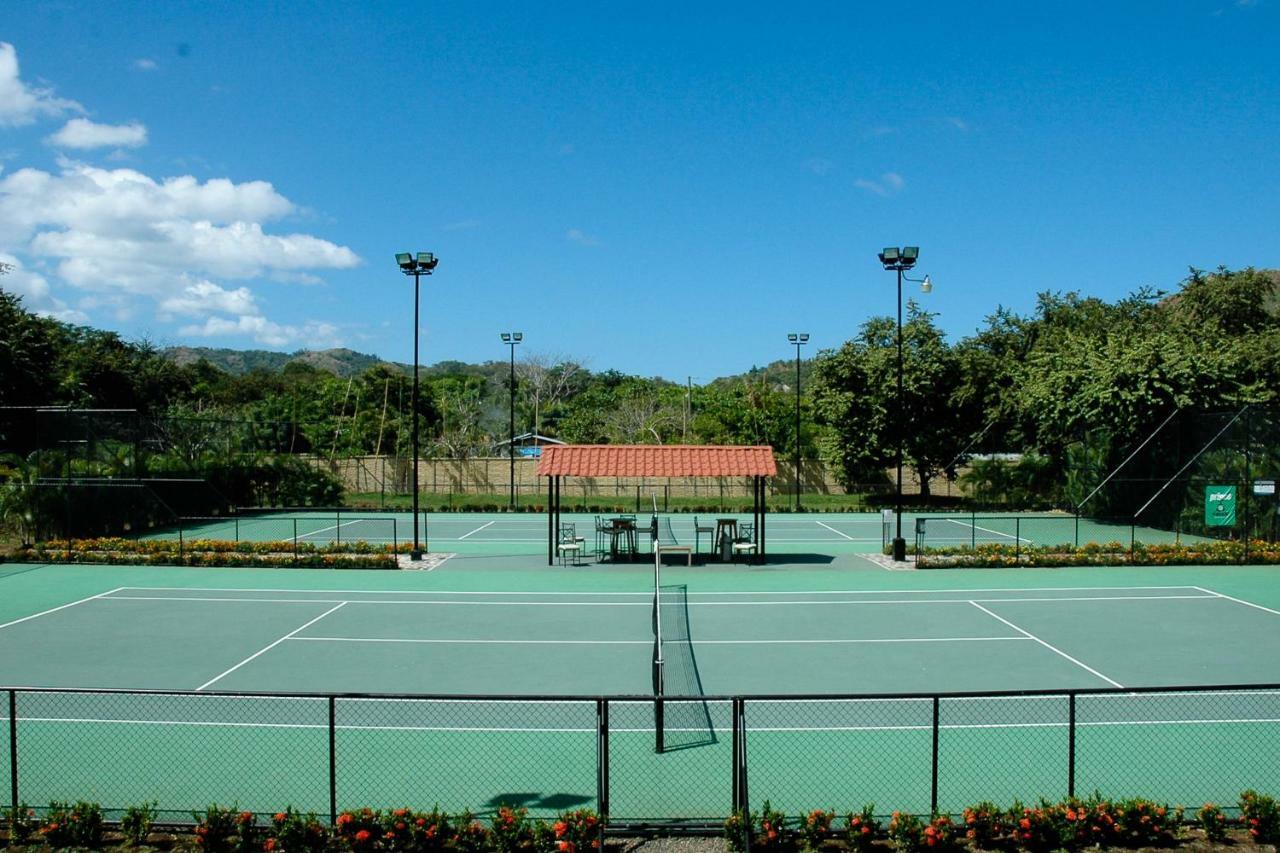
x=788 y=533
x=814 y=647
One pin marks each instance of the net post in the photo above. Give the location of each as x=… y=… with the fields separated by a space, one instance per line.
x=1071 y=744
x=933 y=789
x=333 y=762
x=13 y=754
x=602 y=764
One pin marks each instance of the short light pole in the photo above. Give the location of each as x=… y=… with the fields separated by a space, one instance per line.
x=417 y=267
x=511 y=339
x=899 y=260
x=799 y=339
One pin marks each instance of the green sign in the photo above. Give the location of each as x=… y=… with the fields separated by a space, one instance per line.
x=1220 y=506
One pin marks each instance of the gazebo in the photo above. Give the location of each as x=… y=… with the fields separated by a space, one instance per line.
x=650 y=460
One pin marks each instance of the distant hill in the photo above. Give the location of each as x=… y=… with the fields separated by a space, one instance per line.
x=340 y=362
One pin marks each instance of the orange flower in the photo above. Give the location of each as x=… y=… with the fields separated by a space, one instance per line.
x=1024 y=823
x=561 y=828
x=269 y=845
x=362 y=836
x=279 y=816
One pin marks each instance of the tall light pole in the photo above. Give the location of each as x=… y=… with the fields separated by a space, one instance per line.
x=511 y=339
x=799 y=339
x=899 y=260
x=422 y=265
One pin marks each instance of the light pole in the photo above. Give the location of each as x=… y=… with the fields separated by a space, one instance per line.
x=422 y=265
x=799 y=339
x=899 y=260
x=511 y=339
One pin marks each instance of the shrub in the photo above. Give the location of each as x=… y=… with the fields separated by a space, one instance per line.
x=469 y=836
x=987 y=826
x=816 y=828
x=135 y=823
x=577 y=831
x=1260 y=816
x=1213 y=822
x=292 y=832
x=215 y=828
x=773 y=833
x=358 y=830
x=21 y=820
x=910 y=834
x=66 y=825
x=1038 y=830
x=861 y=829
x=738 y=830
x=511 y=831
x=1144 y=823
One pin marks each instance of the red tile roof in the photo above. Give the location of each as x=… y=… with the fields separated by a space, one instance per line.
x=652 y=460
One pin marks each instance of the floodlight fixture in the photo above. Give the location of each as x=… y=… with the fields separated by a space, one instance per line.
x=506 y=337
x=792 y=338
x=910 y=254
x=405 y=260
x=926 y=286
x=804 y=337
x=517 y=336
x=889 y=256
x=427 y=261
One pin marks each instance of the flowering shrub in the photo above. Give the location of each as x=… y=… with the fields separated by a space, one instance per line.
x=987 y=826
x=861 y=829
x=1213 y=822
x=292 y=832
x=216 y=828
x=1039 y=829
x=1144 y=823
x=66 y=825
x=469 y=835
x=773 y=833
x=816 y=828
x=511 y=831
x=359 y=830
x=116 y=551
x=738 y=830
x=910 y=834
x=21 y=820
x=577 y=831
x=135 y=823
x=1260 y=816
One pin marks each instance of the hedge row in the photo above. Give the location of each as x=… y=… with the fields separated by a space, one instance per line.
x=993 y=555
x=212 y=553
x=1067 y=825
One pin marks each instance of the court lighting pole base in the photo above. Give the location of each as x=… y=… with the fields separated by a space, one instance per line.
x=416 y=556
x=900 y=550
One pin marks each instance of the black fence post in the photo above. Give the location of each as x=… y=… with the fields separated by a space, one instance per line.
x=337 y=526
x=237 y=522
x=602 y=764
x=741 y=796
x=1017 y=539
x=1071 y=745
x=13 y=754
x=295 y=540
x=395 y=537
x=333 y=761
x=933 y=789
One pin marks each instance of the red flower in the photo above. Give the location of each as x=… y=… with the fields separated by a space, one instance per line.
x=279 y=816
x=422 y=821
x=560 y=828
x=362 y=836
x=345 y=818
x=269 y=845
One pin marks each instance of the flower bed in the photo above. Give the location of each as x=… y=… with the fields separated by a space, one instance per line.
x=993 y=555
x=115 y=551
x=1067 y=825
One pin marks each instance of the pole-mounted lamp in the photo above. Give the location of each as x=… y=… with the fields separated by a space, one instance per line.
x=511 y=339
x=423 y=264
x=799 y=339
x=900 y=260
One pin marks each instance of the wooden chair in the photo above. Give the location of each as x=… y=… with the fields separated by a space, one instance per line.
x=698 y=530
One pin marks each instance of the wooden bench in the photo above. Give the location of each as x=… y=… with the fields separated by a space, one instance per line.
x=667 y=542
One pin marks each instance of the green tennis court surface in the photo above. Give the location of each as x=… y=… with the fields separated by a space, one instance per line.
x=787 y=533
x=838 y=629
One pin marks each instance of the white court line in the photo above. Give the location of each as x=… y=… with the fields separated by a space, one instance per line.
x=972 y=526
x=762 y=603
x=689 y=699
x=454 y=642
x=270 y=647
x=838 y=533
x=62 y=607
x=649 y=594
x=441 y=563
x=1216 y=595
x=477 y=530
x=1051 y=648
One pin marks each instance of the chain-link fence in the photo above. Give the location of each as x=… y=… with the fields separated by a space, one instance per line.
x=915 y=753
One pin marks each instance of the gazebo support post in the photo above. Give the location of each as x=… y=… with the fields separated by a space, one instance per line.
x=551 y=522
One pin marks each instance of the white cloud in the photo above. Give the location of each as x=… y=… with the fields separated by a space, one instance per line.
x=145 y=64
x=264 y=331
x=890 y=183
x=35 y=292
x=575 y=235
x=22 y=104
x=84 y=134
x=205 y=297
x=819 y=165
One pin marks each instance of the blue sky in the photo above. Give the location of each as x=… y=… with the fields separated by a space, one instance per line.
x=662 y=189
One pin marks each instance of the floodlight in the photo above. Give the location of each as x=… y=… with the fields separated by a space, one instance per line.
x=405 y=260
x=506 y=337
x=910 y=254
x=427 y=261
x=517 y=336
x=791 y=338
x=926 y=286
x=889 y=256
x=804 y=337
